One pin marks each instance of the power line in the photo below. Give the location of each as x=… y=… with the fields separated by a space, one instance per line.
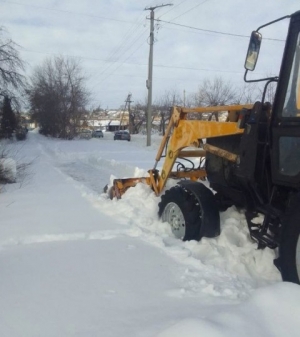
x=172 y=8
x=190 y=9
x=163 y=66
x=213 y=31
x=89 y=15
x=66 y=11
x=181 y=79
x=135 y=63
x=200 y=69
x=159 y=20
x=99 y=82
x=129 y=43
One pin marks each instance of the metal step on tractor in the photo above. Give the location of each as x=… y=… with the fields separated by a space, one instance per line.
x=250 y=160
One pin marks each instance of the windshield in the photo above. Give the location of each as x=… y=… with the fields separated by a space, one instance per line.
x=292 y=101
x=289 y=144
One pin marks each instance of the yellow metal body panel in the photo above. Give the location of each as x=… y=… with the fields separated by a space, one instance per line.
x=221 y=153
x=190 y=133
x=218 y=108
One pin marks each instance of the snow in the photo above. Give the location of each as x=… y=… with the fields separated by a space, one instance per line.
x=74 y=263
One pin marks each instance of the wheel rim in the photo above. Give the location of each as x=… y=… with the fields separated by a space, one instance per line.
x=173 y=215
x=298 y=257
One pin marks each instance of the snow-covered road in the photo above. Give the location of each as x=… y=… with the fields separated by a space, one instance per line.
x=75 y=263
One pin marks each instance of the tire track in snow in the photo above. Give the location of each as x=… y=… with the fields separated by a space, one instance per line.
x=79 y=236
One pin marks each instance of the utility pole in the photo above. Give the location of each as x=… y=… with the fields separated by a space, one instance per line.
x=128 y=101
x=150 y=71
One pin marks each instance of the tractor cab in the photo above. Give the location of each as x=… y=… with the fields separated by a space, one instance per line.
x=284 y=127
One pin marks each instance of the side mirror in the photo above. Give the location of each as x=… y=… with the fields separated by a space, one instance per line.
x=253 y=50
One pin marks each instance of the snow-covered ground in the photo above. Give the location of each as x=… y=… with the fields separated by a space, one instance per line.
x=74 y=263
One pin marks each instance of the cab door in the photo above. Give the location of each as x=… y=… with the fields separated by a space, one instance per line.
x=285 y=121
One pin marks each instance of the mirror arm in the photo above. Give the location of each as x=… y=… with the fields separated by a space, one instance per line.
x=245 y=75
x=271 y=22
x=275 y=78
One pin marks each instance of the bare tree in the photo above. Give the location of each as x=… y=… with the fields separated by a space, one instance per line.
x=137 y=116
x=252 y=92
x=164 y=104
x=169 y=98
x=8 y=119
x=246 y=94
x=213 y=93
x=58 y=97
x=12 y=83
x=96 y=110
x=11 y=67
x=270 y=91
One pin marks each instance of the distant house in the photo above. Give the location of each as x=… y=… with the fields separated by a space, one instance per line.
x=96 y=124
x=114 y=125
x=110 y=120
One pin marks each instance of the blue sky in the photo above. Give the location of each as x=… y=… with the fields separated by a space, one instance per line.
x=111 y=40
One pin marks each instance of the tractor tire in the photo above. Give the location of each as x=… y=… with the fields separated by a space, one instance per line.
x=190 y=210
x=289 y=258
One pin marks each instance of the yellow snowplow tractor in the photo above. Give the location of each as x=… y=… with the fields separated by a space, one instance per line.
x=249 y=156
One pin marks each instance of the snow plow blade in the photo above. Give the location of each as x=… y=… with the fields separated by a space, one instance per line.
x=154 y=181
x=120 y=186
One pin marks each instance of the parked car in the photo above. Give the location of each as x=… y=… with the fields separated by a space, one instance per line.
x=122 y=135
x=85 y=134
x=97 y=134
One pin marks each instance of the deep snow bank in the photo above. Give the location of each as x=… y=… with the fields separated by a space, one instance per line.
x=273 y=311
